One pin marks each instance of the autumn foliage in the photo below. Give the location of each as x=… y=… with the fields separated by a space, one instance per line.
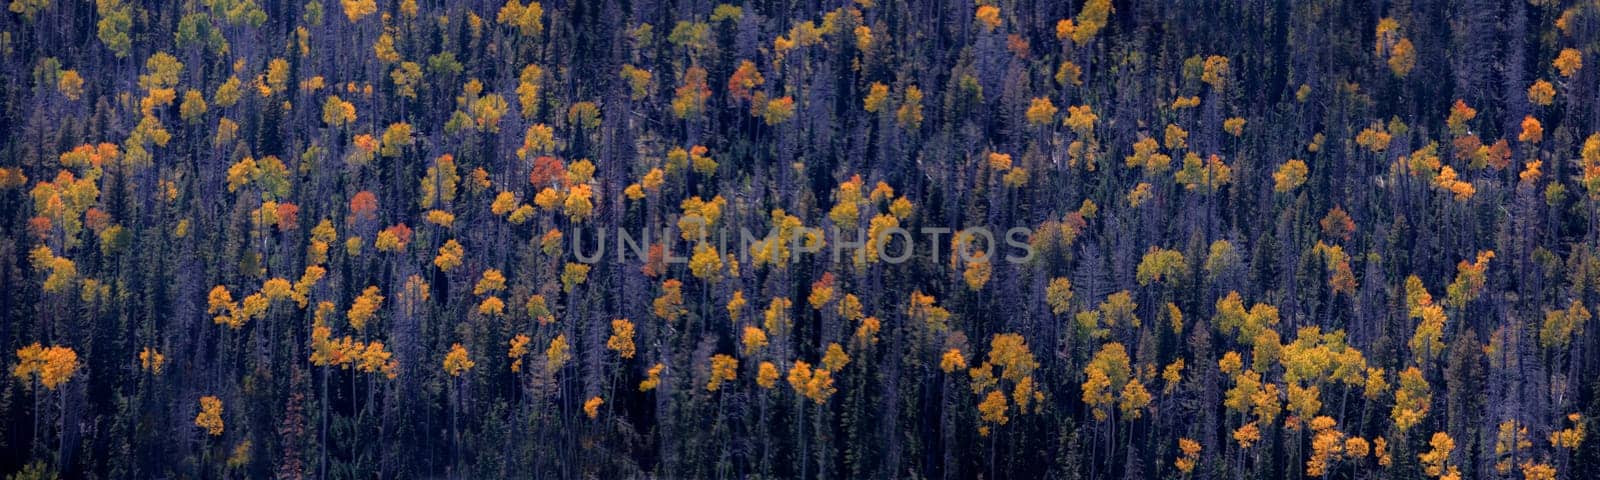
x=525 y=238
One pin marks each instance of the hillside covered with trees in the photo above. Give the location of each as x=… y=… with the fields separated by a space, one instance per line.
x=355 y=239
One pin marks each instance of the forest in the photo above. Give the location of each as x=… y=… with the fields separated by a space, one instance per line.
x=1319 y=239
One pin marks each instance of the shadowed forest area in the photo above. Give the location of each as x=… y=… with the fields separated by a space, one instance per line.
x=352 y=239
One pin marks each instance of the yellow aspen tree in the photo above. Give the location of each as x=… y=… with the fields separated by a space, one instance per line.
x=689 y=101
x=1041 y=112
x=1511 y=438
x=1234 y=126
x=51 y=366
x=652 y=378
x=1568 y=62
x=152 y=360
x=210 y=416
x=724 y=368
x=1081 y=119
x=528 y=19
x=457 y=361
x=993 y=411
x=621 y=340
x=1134 y=399
x=988 y=16
x=1532 y=131
x=1411 y=400
x=1216 y=72
x=1570 y=438
x=952 y=361
x=364 y=308
x=835 y=359
x=867 y=332
x=519 y=348
x=591 y=407
x=557 y=355
x=1327 y=446
x=910 y=113
x=1160 y=265
x=1289 y=176
x=669 y=306
x=1190 y=455
x=1435 y=462
x=1541 y=93
x=767 y=375
x=753 y=340
x=1172 y=374
x=1107 y=372
x=1247 y=435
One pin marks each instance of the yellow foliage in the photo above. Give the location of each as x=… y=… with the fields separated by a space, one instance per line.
x=1402 y=58
x=1069 y=73
x=1537 y=471
x=365 y=307
x=1175 y=137
x=652 y=378
x=1041 y=111
x=1411 y=401
x=1089 y=21
x=526 y=18
x=210 y=416
x=1567 y=63
x=355 y=10
x=1289 y=176
x=724 y=368
x=1435 y=461
x=1134 y=399
x=1191 y=455
x=1570 y=438
x=152 y=360
x=910 y=113
x=753 y=339
x=1532 y=130
x=1081 y=119
x=706 y=263
x=1172 y=374
x=690 y=98
x=450 y=255
x=767 y=375
x=978 y=271
x=988 y=16
x=621 y=340
x=1234 y=126
x=993 y=408
x=1460 y=114
x=1140 y=194
x=1327 y=445
x=1541 y=93
x=669 y=306
x=558 y=354
x=1376 y=384
x=492 y=306
x=491 y=281
x=835 y=359
x=776 y=318
x=51 y=366
x=591 y=407
x=1375 y=138
x=457 y=361
x=1216 y=72
x=519 y=348
x=877 y=97
x=1247 y=435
